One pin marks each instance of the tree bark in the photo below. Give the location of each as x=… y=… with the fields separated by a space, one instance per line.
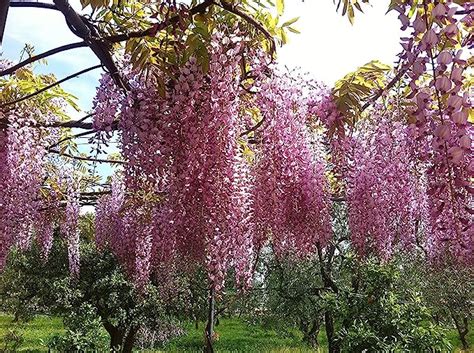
x=311 y=332
x=325 y=269
x=209 y=333
x=462 y=326
x=129 y=340
x=116 y=337
x=333 y=346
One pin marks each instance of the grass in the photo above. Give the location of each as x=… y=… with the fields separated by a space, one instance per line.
x=453 y=337
x=35 y=333
x=234 y=335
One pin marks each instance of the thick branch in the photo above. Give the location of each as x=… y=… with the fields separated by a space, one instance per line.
x=50 y=86
x=40 y=5
x=34 y=58
x=92 y=194
x=80 y=27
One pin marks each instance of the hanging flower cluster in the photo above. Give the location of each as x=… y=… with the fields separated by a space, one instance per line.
x=187 y=178
x=185 y=170
x=5 y=235
x=324 y=110
x=45 y=222
x=69 y=226
x=381 y=187
x=290 y=192
x=441 y=118
x=23 y=149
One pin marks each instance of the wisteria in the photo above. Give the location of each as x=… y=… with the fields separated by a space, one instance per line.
x=441 y=119
x=5 y=235
x=69 y=226
x=229 y=155
x=189 y=159
x=381 y=188
x=291 y=195
x=22 y=174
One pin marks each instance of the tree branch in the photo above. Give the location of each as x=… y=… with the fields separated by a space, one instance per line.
x=253 y=128
x=40 y=5
x=233 y=9
x=34 y=58
x=392 y=83
x=151 y=32
x=50 y=86
x=88 y=159
x=82 y=134
x=83 y=29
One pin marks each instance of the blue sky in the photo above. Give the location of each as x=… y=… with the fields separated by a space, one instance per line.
x=46 y=29
x=328 y=46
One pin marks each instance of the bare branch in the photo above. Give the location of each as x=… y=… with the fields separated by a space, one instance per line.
x=82 y=134
x=34 y=58
x=88 y=159
x=392 y=83
x=253 y=128
x=50 y=86
x=40 y=5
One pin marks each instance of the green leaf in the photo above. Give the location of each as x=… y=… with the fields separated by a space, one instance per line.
x=293 y=30
x=280 y=5
x=350 y=14
x=290 y=22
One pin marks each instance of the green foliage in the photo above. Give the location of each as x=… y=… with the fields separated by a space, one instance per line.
x=84 y=333
x=294 y=297
x=377 y=316
x=102 y=296
x=356 y=88
x=348 y=7
x=447 y=289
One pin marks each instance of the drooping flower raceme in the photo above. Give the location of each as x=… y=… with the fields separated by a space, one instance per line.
x=23 y=150
x=69 y=227
x=381 y=188
x=291 y=196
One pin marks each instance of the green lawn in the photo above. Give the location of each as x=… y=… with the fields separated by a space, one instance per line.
x=35 y=333
x=234 y=336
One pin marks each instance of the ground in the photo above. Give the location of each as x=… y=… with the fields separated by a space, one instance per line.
x=234 y=335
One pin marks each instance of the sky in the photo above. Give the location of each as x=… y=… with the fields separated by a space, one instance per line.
x=327 y=48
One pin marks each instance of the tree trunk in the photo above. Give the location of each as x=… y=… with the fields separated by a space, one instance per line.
x=129 y=340
x=462 y=326
x=325 y=269
x=116 y=337
x=209 y=333
x=310 y=333
x=333 y=346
